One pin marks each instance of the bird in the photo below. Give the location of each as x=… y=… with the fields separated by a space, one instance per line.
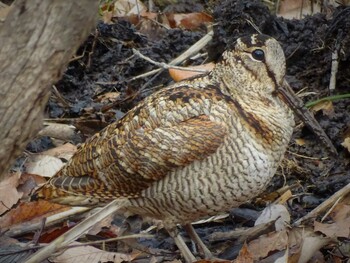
x=194 y=149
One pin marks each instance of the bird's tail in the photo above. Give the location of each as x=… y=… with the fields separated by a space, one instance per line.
x=56 y=195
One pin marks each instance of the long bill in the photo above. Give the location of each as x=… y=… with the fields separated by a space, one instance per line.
x=304 y=114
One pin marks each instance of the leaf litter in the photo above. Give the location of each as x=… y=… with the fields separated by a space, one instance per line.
x=106 y=78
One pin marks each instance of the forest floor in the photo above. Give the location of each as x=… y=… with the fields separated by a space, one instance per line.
x=103 y=82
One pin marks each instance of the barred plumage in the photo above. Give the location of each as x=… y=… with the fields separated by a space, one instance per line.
x=194 y=149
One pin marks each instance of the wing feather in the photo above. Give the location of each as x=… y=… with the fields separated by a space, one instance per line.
x=165 y=132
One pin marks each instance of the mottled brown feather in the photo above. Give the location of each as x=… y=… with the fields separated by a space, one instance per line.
x=141 y=148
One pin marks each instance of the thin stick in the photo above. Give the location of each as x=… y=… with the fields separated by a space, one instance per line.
x=166 y=66
x=65 y=239
x=334 y=70
x=331 y=209
x=335 y=63
x=24 y=228
x=298 y=107
x=60 y=98
x=327 y=203
x=187 y=54
x=111 y=240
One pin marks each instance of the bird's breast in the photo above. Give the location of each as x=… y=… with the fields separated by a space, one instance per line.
x=239 y=170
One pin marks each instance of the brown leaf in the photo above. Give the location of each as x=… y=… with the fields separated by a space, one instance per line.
x=340 y=227
x=128 y=7
x=245 y=256
x=267 y=243
x=326 y=107
x=28 y=182
x=178 y=74
x=51 y=235
x=30 y=211
x=346 y=143
x=106 y=222
x=297 y=8
x=8 y=192
x=300 y=142
x=189 y=21
x=48 y=163
x=43 y=165
x=90 y=254
x=59 y=131
x=64 y=151
x=277 y=213
x=304 y=243
x=108 y=97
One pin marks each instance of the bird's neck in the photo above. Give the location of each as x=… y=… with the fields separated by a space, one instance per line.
x=254 y=101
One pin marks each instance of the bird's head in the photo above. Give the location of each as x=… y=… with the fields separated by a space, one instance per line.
x=254 y=59
x=253 y=71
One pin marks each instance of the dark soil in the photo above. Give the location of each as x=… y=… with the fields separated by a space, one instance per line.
x=107 y=64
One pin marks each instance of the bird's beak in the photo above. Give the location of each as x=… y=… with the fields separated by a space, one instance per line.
x=287 y=95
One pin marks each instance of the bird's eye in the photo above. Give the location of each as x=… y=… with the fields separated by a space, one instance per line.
x=258 y=54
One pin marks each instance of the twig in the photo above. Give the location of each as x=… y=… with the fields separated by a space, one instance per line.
x=187 y=54
x=51 y=220
x=334 y=70
x=331 y=209
x=59 y=97
x=293 y=52
x=92 y=49
x=308 y=157
x=327 y=203
x=309 y=120
x=111 y=240
x=74 y=58
x=65 y=132
x=65 y=239
x=242 y=234
x=166 y=66
x=335 y=63
x=253 y=25
x=38 y=234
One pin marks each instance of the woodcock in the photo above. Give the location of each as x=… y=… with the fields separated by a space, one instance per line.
x=191 y=150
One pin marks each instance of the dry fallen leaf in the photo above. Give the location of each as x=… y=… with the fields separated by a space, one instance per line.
x=265 y=244
x=300 y=142
x=30 y=211
x=64 y=151
x=189 y=21
x=326 y=107
x=128 y=7
x=277 y=213
x=297 y=8
x=341 y=225
x=48 y=163
x=89 y=254
x=59 y=131
x=307 y=242
x=178 y=74
x=8 y=192
x=108 y=97
x=346 y=143
x=43 y=165
x=245 y=256
x=28 y=182
x=106 y=222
